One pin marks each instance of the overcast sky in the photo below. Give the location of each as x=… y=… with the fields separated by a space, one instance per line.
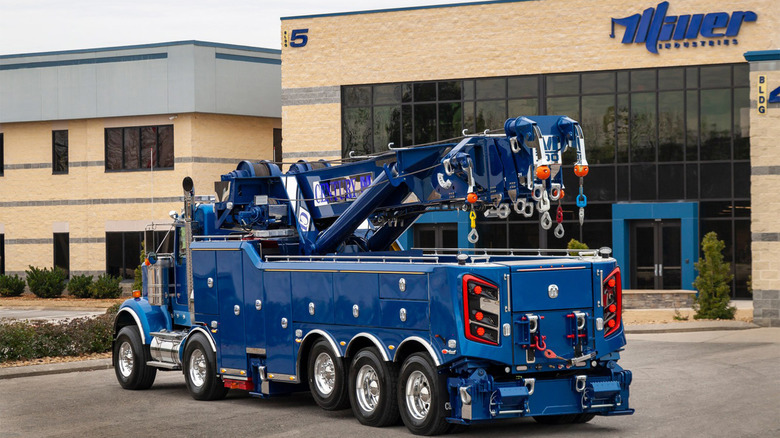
x=28 y=26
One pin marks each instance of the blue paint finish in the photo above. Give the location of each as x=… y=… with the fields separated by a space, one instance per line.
x=230 y=280
x=278 y=305
x=686 y=212
x=530 y=289
x=242 y=58
x=416 y=314
x=762 y=55
x=84 y=61
x=152 y=318
x=204 y=267
x=416 y=287
x=315 y=288
x=253 y=291
x=350 y=289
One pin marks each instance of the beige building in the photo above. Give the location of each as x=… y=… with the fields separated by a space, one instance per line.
x=94 y=144
x=668 y=94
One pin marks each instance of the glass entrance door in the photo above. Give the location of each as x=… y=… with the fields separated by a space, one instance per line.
x=655 y=254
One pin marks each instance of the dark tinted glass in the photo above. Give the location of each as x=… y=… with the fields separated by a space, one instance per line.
x=450 y=90
x=491 y=234
x=622 y=81
x=622 y=117
x=165 y=146
x=114 y=149
x=523 y=107
x=742 y=209
x=62 y=251
x=671 y=78
x=357 y=131
x=643 y=182
x=643 y=127
x=387 y=94
x=692 y=125
x=715 y=76
x=622 y=183
x=354 y=96
x=671 y=181
x=450 y=120
x=523 y=86
x=491 y=114
x=524 y=235
x=424 y=123
x=491 y=88
x=564 y=106
x=563 y=84
x=742 y=180
x=742 y=258
x=715 y=209
x=468 y=90
x=643 y=80
x=692 y=180
x=741 y=75
x=387 y=127
x=114 y=253
x=60 y=151
x=692 y=77
x=598 y=186
x=716 y=180
x=407 y=120
x=671 y=125
x=597 y=234
x=132 y=146
x=598 y=127
x=596 y=83
x=716 y=124
x=742 y=123
x=149 y=155
x=425 y=92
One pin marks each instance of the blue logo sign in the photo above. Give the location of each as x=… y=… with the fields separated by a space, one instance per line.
x=337 y=190
x=659 y=31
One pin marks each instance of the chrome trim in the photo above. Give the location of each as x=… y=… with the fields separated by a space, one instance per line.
x=233 y=371
x=282 y=377
x=327 y=336
x=427 y=346
x=373 y=339
x=137 y=322
x=166 y=365
x=205 y=332
x=258 y=351
x=356 y=259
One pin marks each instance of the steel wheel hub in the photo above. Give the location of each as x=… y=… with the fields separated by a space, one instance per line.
x=367 y=388
x=197 y=369
x=418 y=395
x=324 y=374
x=126 y=359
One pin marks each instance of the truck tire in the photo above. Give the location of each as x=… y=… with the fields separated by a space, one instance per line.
x=422 y=394
x=583 y=418
x=327 y=379
x=372 y=386
x=129 y=357
x=556 y=419
x=200 y=370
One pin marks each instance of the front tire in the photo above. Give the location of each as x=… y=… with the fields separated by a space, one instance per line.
x=327 y=378
x=200 y=370
x=129 y=357
x=422 y=394
x=372 y=388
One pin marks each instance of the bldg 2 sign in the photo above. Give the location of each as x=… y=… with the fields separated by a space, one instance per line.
x=659 y=31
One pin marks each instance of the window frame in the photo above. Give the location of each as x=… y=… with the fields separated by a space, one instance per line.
x=54 y=159
x=122 y=130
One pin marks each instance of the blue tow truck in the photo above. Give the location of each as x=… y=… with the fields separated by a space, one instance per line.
x=294 y=281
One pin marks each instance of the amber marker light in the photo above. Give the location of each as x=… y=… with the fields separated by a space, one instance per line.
x=136 y=294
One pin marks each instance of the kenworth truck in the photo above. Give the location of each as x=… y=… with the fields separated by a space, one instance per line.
x=284 y=282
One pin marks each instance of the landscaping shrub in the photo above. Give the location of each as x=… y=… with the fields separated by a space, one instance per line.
x=23 y=340
x=712 y=301
x=576 y=244
x=45 y=283
x=11 y=286
x=106 y=286
x=78 y=286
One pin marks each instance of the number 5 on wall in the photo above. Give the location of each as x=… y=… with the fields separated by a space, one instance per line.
x=298 y=38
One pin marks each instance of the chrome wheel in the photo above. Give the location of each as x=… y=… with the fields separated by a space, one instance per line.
x=418 y=395
x=126 y=359
x=324 y=374
x=197 y=368
x=367 y=388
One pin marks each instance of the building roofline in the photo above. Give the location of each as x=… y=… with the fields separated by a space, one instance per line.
x=763 y=55
x=409 y=8
x=147 y=46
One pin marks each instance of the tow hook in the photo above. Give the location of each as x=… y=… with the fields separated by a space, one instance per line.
x=539 y=345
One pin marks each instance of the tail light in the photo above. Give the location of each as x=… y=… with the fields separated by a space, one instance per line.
x=612 y=298
x=481 y=308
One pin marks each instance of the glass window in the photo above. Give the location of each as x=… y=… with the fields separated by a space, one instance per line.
x=622 y=81
x=62 y=252
x=494 y=88
x=2 y=153
x=425 y=92
x=598 y=127
x=671 y=181
x=523 y=86
x=450 y=90
x=621 y=116
x=716 y=124
x=716 y=180
x=523 y=235
x=742 y=180
x=599 y=185
x=671 y=79
x=741 y=75
x=468 y=90
x=671 y=125
x=597 y=83
x=643 y=80
x=357 y=96
x=469 y=118
x=136 y=148
x=491 y=114
x=692 y=77
x=692 y=181
x=715 y=76
x=643 y=127
x=2 y=252
x=523 y=107
x=387 y=94
x=564 y=106
x=622 y=183
x=59 y=151
x=450 y=120
x=123 y=251
x=492 y=235
x=387 y=127
x=715 y=209
x=424 y=123
x=742 y=258
x=596 y=234
x=692 y=125
x=357 y=131
x=741 y=123
x=643 y=182
x=563 y=84
x=407 y=119
x=406 y=93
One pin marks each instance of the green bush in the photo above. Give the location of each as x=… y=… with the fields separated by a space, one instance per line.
x=138 y=273
x=23 y=340
x=45 y=283
x=106 y=286
x=576 y=244
x=712 y=301
x=78 y=286
x=113 y=310
x=11 y=286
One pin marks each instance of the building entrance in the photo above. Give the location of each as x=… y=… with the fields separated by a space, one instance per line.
x=656 y=261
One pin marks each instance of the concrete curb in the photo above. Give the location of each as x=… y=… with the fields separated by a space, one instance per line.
x=693 y=326
x=55 y=368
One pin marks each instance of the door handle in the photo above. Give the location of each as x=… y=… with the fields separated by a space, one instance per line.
x=660 y=270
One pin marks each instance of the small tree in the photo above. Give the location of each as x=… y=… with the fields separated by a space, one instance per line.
x=712 y=301
x=576 y=244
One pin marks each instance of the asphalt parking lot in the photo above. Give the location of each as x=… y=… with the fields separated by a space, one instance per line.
x=711 y=383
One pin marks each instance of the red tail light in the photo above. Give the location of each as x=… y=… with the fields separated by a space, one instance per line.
x=481 y=310
x=612 y=299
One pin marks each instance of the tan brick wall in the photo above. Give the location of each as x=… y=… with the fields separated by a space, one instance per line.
x=308 y=128
x=500 y=39
x=195 y=135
